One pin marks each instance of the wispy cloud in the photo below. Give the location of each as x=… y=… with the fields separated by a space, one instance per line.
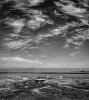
x=73 y=33
x=38 y=19
x=73 y=10
x=63 y=30
x=34 y=48
x=35 y=2
x=20 y=59
x=15 y=44
x=66 y=31
x=79 y=38
x=17 y=25
x=74 y=53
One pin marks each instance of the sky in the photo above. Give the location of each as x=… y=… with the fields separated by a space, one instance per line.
x=44 y=33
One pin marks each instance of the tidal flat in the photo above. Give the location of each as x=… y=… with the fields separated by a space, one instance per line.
x=27 y=86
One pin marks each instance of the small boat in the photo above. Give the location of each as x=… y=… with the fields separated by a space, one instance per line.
x=40 y=80
x=60 y=77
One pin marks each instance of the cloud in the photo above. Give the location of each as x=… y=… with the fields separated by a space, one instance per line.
x=15 y=44
x=17 y=25
x=72 y=9
x=75 y=43
x=74 y=53
x=38 y=19
x=19 y=59
x=39 y=38
x=52 y=32
x=35 y=2
x=13 y=35
x=34 y=48
x=73 y=32
x=21 y=37
x=79 y=38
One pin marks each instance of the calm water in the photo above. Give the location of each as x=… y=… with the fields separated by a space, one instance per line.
x=29 y=75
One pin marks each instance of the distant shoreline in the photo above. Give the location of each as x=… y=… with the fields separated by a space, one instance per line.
x=47 y=72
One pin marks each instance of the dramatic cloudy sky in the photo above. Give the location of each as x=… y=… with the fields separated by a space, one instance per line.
x=44 y=33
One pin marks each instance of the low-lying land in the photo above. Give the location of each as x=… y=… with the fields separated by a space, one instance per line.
x=57 y=88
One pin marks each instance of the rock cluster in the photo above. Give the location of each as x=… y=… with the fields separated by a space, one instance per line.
x=62 y=88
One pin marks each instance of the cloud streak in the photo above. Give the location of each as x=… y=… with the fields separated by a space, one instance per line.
x=35 y=2
x=19 y=59
x=15 y=44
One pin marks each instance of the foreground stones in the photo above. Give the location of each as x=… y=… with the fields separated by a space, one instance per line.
x=32 y=89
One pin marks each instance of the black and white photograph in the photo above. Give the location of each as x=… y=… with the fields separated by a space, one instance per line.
x=44 y=49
